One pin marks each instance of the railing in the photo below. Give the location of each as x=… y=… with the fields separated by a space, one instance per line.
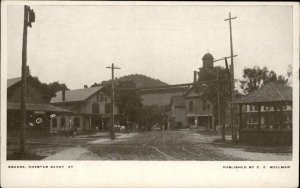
x=271 y=126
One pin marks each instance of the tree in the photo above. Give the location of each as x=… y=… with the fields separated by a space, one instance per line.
x=127 y=98
x=210 y=91
x=152 y=115
x=255 y=77
x=49 y=89
x=56 y=86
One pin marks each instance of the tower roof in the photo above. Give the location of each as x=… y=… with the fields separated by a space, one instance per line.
x=208 y=56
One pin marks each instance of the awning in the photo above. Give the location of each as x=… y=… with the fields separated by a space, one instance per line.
x=37 y=107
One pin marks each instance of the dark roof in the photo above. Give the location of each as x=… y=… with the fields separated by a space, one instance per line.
x=207 y=56
x=178 y=101
x=13 y=81
x=269 y=92
x=75 y=95
x=37 y=107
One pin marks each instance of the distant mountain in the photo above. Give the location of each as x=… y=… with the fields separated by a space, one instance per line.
x=139 y=79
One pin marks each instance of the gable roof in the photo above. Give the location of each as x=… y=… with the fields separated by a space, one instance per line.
x=269 y=92
x=178 y=101
x=75 y=95
x=13 y=81
x=193 y=93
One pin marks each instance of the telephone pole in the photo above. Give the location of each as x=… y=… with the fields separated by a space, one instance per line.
x=112 y=128
x=29 y=17
x=234 y=136
x=219 y=112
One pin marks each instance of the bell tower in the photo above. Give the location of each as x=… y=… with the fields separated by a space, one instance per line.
x=208 y=61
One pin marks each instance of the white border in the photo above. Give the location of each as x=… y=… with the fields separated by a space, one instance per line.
x=149 y=174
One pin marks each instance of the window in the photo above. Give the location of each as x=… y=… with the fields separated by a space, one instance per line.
x=76 y=122
x=266 y=108
x=256 y=108
x=62 y=122
x=54 y=122
x=191 y=106
x=284 y=107
x=107 y=108
x=251 y=107
x=204 y=105
x=95 y=108
x=101 y=98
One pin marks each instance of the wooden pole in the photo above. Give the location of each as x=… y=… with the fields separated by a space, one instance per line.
x=259 y=117
x=232 y=73
x=241 y=117
x=23 y=89
x=219 y=111
x=275 y=116
x=112 y=128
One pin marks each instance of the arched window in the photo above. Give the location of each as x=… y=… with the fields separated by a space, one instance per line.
x=62 y=122
x=95 y=108
x=77 y=122
x=54 y=122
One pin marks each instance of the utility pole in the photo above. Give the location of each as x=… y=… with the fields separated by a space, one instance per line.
x=234 y=137
x=29 y=17
x=219 y=113
x=112 y=128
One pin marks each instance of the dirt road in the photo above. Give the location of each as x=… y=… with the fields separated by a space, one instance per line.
x=192 y=145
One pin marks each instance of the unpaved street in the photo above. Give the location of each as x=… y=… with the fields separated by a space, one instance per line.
x=168 y=145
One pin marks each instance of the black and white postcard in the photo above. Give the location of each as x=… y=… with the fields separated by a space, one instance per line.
x=149 y=94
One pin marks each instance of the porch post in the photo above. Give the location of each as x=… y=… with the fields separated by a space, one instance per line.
x=258 y=118
x=241 y=117
x=90 y=124
x=269 y=118
x=280 y=117
x=275 y=116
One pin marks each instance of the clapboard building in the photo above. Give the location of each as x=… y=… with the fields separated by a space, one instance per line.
x=38 y=108
x=90 y=109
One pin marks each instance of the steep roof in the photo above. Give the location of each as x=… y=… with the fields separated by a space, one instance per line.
x=178 y=101
x=37 y=107
x=75 y=95
x=269 y=92
x=13 y=81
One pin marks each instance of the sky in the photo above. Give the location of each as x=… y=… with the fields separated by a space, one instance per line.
x=74 y=44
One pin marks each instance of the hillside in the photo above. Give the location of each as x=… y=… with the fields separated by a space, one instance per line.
x=140 y=81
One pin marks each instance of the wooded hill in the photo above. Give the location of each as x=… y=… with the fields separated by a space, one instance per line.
x=140 y=80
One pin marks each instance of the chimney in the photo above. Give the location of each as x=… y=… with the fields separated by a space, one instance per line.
x=27 y=73
x=86 y=86
x=63 y=93
x=195 y=76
